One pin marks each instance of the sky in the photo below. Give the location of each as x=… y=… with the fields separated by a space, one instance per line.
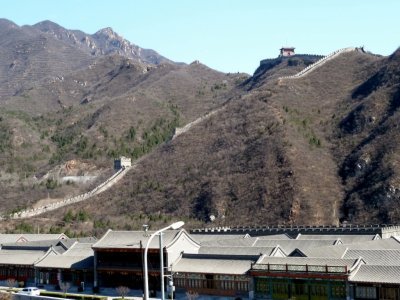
x=226 y=35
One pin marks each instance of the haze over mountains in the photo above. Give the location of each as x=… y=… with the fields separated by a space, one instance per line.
x=320 y=149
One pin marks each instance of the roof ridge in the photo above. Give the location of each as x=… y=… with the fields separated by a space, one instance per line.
x=345 y=251
x=72 y=246
x=102 y=238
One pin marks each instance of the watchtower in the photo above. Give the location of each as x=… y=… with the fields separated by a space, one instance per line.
x=122 y=162
x=287 y=51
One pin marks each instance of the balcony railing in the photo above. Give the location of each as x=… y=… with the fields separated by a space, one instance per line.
x=290 y=268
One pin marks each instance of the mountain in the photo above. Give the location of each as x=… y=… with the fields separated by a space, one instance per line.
x=103 y=42
x=73 y=124
x=285 y=151
x=209 y=148
x=29 y=54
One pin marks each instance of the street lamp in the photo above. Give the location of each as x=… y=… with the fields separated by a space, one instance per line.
x=146 y=275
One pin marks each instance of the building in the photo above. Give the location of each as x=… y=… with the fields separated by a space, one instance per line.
x=211 y=274
x=313 y=263
x=122 y=162
x=118 y=257
x=302 y=277
x=75 y=265
x=286 y=51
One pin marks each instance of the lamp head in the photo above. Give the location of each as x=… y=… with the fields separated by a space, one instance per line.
x=177 y=225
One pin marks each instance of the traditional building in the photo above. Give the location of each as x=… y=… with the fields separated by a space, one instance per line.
x=310 y=263
x=118 y=257
x=286 y=51
x=211 y=274
x=122 y=162
x=302 y=277
x=75 y=265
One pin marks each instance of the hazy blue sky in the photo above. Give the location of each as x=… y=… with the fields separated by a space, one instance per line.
x=227 y=35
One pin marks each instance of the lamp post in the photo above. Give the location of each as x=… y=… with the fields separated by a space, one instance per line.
x=146 y=275
x=162 y=267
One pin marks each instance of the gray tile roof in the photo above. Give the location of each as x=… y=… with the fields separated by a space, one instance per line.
x=387 y=244
x=20 y=257
x=328 y=251
x=58 y=245
x=79 y=256
x=43 y=237
x=345 y=238
x=80 y=249
x=209 y=264
x=282 y=236
x=135 y=239
x=13 y=238
x=66 y=262
x=289 y=245
x=339 y=250
x=236 y=250
x=377 y=274
x=376 y=257
x=242 y=242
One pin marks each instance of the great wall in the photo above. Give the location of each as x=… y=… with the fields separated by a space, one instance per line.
x=105 y=185
x=178 y=131
x=102 y=186
x=320 y=62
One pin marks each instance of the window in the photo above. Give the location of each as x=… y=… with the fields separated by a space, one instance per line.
x=243 y=286
x=300 y=288
x=388 y=293
x=262 y=286
x=338 y=291
x=318 y=290
x=280 y=288
x=366 y=292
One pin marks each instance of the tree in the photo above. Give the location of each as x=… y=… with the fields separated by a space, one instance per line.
x=64 y=286
x=11 y=282
x=191 y=295
x=122 y=291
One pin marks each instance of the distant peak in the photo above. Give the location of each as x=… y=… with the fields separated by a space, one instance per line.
x=107 y=31
x=46 y=24
x=8 y=23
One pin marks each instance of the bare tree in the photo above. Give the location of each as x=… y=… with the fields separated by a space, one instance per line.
x=191 y=295
x=122 y=291
x=64 y=286
x=11 y=282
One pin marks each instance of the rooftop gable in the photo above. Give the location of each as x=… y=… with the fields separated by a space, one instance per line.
x=135 y=239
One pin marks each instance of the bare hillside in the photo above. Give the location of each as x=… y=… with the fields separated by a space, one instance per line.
x=209 y=148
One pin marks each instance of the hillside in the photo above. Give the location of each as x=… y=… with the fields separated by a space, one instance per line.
x=266 y=149
x=76 y=123
x=281 y=151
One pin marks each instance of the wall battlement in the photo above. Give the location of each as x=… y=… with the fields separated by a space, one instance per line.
x=385 y=231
